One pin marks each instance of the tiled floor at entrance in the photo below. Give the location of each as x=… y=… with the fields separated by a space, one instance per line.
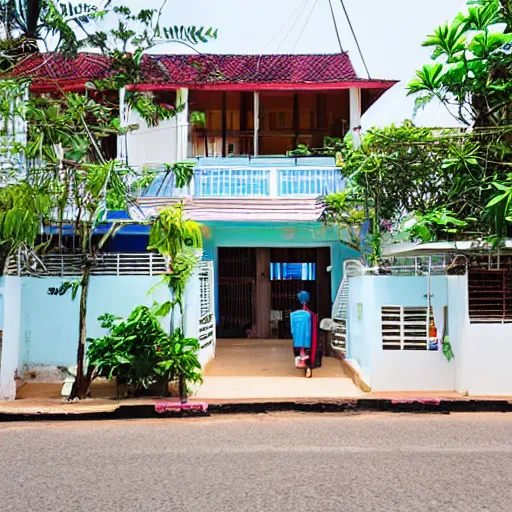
x=249 y=368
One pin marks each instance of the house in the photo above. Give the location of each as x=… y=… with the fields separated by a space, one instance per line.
x=238 y=117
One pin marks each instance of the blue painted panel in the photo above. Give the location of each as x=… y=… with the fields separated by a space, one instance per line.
x=128 y=243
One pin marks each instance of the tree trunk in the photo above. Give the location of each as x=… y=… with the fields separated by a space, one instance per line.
x=82 y=380
x=182 y=389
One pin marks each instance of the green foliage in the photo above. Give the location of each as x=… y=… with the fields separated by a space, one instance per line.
x=138 y=353
x=171 y=234
x=198 y=118
x=68 y=169
x=473 y=64
x=178 y=359
x=430 y=225
x=395 y=173
x=302 y=150
x=176 y=239
x=442 y=184
x=21 y=209
x=183 y=173
x=128 y=353
x=180 y=271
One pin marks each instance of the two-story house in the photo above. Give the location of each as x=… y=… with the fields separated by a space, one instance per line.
x=262 y=210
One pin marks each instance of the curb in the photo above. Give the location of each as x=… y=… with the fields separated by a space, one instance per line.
x=129 y=412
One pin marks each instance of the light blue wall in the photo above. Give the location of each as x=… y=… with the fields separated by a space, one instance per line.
x=373 y=292
x=2 y=282
x=361 y=322
x=50 y=322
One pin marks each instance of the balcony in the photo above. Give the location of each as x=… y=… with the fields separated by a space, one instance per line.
x=261 y=177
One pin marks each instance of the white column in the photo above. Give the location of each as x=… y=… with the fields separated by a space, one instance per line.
x=355 y=106
x=182 y=125
x=10 y=364
x=256 y=118
x=122 y=140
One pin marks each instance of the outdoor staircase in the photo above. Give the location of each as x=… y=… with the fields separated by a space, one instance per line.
x=351 y=268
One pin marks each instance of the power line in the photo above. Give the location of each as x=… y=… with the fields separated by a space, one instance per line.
x=304 y=3
x=335 y=26
x=285 y=23
x=305 y=25
x=355 y=38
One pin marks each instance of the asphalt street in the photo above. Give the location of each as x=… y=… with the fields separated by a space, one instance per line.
x=281 y=462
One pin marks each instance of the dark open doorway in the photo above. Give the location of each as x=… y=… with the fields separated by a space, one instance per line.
x=258 y=287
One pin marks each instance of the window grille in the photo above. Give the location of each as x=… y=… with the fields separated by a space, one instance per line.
x=405 y=328
x=490 y=295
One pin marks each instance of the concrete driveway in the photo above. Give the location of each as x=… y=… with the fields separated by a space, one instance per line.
x=265 y=369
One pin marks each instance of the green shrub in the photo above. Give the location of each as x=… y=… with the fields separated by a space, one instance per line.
x=138 y=353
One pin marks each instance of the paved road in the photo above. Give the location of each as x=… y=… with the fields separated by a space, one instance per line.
x=260 y=463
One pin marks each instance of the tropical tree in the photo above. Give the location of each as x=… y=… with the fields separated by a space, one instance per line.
x=442 y=184
x=69 y=178
x=397 y=174
x=472 y=76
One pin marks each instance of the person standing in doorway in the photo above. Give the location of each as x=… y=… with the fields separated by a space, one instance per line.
x=304 y=327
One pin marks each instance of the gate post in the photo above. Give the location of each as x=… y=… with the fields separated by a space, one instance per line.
x=10 y=362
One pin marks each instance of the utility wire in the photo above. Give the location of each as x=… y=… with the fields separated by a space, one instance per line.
x=305 y=25
x=355 y=38
x=304 y=3
x=285 y=23
x=335 y=26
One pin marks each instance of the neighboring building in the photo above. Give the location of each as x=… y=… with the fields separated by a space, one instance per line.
x=240 y=115
x=427 y=302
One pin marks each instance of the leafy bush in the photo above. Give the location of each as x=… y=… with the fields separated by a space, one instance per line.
x=178 y=358
x=138 y=353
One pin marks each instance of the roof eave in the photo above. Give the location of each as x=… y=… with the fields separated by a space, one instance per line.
x=259 y=86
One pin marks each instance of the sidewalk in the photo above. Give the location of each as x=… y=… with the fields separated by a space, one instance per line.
x=95 y=409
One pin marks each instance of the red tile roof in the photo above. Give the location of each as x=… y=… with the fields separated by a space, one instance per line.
x=243 y=209
x=48 y=68
x=257 y=69
x=203 y=71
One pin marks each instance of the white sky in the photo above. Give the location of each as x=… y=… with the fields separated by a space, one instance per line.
x=390 y=32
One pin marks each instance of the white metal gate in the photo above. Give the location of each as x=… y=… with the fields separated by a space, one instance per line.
x=206 y=331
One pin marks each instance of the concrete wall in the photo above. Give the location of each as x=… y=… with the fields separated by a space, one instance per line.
x=49 y=332
x=153 y=145
x=10 y=357
x=361 y=324
x=2 y=284
x=483 y=352
x=395 y=370
x=41 y=330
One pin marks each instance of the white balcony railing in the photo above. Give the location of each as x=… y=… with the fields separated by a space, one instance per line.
x=252 y=181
